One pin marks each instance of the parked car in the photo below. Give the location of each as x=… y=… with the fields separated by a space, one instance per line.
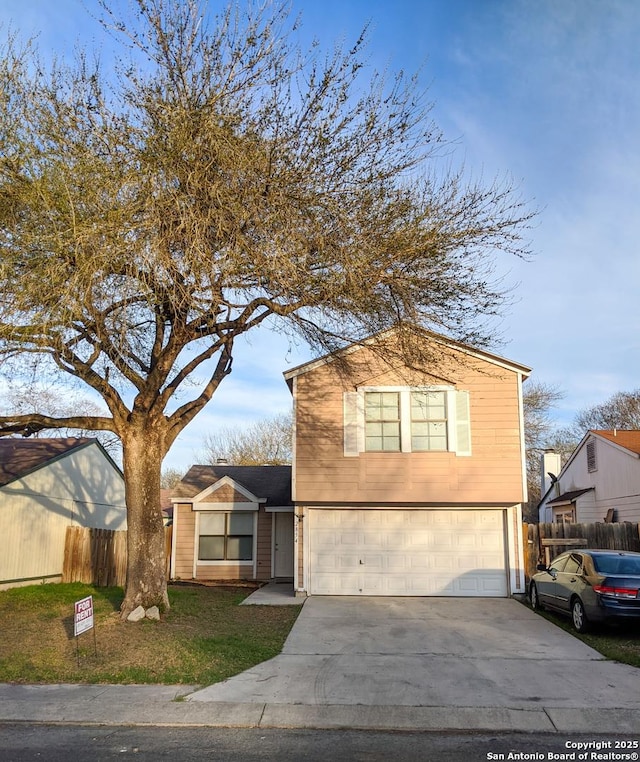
x=589 y=586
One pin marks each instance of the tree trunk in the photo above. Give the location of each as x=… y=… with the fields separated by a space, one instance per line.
x=146 y=564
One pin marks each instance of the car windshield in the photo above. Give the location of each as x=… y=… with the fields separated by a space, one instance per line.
x=617 y=564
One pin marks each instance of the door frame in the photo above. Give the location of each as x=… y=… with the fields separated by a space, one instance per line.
x=275 y=514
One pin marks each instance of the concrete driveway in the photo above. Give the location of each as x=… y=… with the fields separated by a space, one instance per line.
x=432 y=652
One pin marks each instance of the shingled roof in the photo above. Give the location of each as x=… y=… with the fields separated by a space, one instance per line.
x=629 y=439
x=270 y=482
x=19 y=457
x=568 y=497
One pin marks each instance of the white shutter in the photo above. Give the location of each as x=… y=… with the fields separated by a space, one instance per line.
x=463 y=424
x=351 y=423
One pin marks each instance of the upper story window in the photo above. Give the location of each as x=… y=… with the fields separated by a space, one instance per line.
x=382 y=421
x=428 y=421
x=405 y=419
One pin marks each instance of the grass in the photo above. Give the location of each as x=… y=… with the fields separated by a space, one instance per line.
x=205 y=638
x=617 y=642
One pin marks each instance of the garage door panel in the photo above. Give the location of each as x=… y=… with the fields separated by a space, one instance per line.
x=407 y=552
x=332 y=563
x=332 y=584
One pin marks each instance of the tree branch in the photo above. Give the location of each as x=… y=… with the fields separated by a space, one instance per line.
x=32 y=423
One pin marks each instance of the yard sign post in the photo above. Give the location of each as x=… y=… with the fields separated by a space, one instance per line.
x=83 y=621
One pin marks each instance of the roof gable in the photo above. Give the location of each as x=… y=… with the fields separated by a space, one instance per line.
x=229 y=490
x=19 y=457
x=428 y=337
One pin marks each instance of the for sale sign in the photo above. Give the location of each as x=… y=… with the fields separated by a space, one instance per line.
x=83 y=617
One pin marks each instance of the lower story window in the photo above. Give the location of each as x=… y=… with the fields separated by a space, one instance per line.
x=564 y=516
x=226 y=536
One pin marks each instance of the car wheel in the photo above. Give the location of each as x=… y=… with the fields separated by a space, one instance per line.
x=580 y=621
x=533 y=597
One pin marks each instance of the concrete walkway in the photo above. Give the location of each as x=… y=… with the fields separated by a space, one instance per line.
x=383 y=663
x=273 y=594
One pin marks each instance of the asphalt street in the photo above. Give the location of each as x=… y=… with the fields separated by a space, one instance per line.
x=24 y=742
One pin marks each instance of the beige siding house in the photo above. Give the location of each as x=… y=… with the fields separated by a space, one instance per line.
x=233 y=523
x=409 y=483
x=47 y=485
x=402 y=483
x=599 y=482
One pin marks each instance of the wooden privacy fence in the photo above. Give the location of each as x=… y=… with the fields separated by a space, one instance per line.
x=542 y=542
x=99 y=556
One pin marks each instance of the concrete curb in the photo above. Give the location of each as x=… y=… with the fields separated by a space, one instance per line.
x=162 y=706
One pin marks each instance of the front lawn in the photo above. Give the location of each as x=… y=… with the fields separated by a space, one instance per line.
x=205 y=638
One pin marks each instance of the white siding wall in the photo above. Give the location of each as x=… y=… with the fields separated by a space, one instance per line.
x=80 y=489
x=616 y=482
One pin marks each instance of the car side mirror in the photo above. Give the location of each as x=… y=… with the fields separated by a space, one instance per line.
x=541 y=567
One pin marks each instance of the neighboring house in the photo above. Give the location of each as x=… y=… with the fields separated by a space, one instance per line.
x=233 y=522
x=599 y=482
x=47 y=485
x=403 y=482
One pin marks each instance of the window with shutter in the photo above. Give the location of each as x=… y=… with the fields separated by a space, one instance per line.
x=402 y=419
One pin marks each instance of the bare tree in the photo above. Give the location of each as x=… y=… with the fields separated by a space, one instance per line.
x=265 y=442
x=564 y=441
x=538 y=401
x=620 y=411
x=170 y=477
x=223 y=179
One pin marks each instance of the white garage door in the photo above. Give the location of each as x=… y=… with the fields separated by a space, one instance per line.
x=407 y=552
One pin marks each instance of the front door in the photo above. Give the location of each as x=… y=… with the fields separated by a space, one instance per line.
x=283 y=545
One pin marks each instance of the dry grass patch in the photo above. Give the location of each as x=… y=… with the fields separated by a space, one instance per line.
x=205 y=638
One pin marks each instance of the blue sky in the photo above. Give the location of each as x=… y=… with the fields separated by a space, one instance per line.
x=546 y=91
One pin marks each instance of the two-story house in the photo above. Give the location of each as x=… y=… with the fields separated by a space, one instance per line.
x=403 y=482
